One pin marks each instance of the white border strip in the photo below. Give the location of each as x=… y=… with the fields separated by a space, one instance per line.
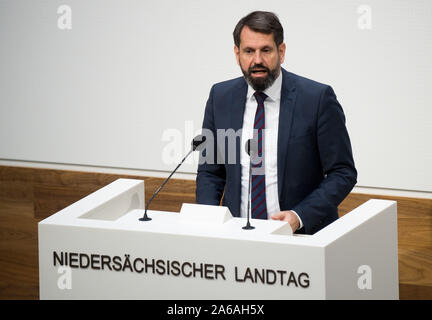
x=189 y=176
x=393 y=192
x=86 y=168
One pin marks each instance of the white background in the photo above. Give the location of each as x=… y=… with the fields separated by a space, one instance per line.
x=126 y=87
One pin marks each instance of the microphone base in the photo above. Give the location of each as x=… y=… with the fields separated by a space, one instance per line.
x=145 y=218
x=248 y=227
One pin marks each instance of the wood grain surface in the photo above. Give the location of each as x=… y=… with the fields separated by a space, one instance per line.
x=28 y=195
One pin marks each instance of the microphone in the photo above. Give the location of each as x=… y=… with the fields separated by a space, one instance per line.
x=252 y=150
x=251 y=147
x=198 y=143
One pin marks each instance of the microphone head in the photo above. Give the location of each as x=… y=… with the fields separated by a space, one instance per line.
x=199 y=142
x=251 y=147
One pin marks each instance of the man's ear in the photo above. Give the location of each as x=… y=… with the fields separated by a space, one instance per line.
x=237 y=54
x=281 y=49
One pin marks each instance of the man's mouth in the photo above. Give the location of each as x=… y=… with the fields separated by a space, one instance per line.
x=258 y=72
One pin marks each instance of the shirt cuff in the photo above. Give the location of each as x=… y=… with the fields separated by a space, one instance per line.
x=301 y=222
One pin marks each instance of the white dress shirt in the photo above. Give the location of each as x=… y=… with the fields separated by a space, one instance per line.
x=271 y=109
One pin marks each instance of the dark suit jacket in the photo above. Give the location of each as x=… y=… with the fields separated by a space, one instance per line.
x=315 y=164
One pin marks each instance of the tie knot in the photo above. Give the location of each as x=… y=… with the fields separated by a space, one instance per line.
x=260 y=96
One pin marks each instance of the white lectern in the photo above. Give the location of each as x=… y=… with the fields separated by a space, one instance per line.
x=97 y=249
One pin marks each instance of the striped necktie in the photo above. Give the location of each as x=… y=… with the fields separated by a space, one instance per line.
x=258 y=193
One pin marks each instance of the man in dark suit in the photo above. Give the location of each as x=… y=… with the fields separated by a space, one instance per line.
x=305 y=166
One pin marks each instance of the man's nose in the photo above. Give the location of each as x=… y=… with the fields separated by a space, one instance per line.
x=258 y=57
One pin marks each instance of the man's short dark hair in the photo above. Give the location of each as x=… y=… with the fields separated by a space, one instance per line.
x=260 y=21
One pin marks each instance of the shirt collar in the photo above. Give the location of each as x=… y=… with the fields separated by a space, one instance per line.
x=273 y=92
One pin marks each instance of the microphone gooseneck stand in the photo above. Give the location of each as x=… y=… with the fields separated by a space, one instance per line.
x=198 y=143
x=250 y=152
x=146 y=217
x=248 y=226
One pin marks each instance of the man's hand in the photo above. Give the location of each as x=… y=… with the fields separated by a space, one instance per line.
x=289 y=217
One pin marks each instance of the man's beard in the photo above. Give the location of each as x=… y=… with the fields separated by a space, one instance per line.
x=261 y=83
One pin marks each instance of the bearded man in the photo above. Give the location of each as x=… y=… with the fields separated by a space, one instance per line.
x=306 y=167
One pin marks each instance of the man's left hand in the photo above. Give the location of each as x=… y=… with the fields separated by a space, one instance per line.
x=289 y=217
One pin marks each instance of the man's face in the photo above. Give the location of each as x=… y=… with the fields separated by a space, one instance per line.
x=259 y=58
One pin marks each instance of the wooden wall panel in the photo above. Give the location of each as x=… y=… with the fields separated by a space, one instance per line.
x=18 y=248
x=28 y=195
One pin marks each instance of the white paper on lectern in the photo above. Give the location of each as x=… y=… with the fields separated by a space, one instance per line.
x=204 y=213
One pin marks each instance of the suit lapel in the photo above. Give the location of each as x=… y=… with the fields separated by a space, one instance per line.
x=287 y=105
x=238 y=105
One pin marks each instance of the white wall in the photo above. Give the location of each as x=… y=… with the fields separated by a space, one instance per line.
x=127 y=85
